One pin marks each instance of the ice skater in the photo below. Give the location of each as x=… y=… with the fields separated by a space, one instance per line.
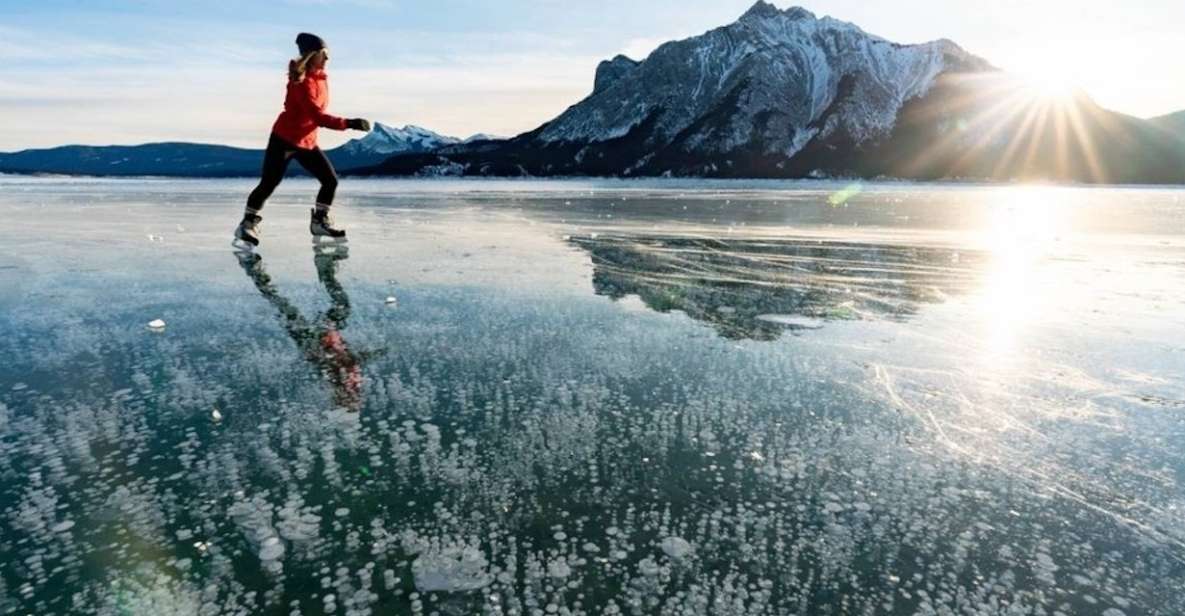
x=294 y=136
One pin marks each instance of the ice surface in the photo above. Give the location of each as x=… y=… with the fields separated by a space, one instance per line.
x=582 y=405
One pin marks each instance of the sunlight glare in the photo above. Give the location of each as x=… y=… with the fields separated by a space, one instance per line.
x=1049 y=83
x=1021 y=229
x=1051 y=88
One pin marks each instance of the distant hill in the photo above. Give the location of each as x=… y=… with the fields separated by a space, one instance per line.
x=1174 y=122
x=207 y=160
x=784 y=94
x=173 y=159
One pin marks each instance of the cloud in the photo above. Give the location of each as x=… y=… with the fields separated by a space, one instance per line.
x=500 y=93
x=22 y=46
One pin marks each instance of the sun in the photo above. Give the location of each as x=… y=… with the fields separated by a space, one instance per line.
x=1051 y=88
x=1049 y=81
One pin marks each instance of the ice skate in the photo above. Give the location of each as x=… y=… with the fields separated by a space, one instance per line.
x=321 y=226
x=247 y=233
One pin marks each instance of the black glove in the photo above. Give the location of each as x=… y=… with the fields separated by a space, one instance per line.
x=358 y=124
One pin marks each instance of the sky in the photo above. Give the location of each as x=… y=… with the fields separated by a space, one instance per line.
x=134 y=71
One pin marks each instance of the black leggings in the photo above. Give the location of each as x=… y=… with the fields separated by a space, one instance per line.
x=275 y=163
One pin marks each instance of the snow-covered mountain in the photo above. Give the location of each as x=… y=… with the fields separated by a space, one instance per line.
x=384 y=141
x=781 y=78
x=483 y=137
x=783 y=93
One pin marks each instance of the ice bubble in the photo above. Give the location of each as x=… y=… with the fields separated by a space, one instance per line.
x=272 y=549
x=676 y=547
x=216 y=415
x=63 y=526
x=559 y=568
x=451 y=569
x=1044 y=561
x=156 y=324
x=391 y=300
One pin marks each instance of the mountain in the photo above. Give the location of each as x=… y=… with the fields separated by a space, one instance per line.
x=1173 y=122
x=384 y=141
x=177 y=159
x=782 y=93
x=483 y=137
x=207 y=160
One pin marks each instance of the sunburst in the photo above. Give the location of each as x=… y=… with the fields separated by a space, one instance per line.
x=1018 y=120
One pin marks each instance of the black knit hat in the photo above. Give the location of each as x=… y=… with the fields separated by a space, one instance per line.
x=309 y=42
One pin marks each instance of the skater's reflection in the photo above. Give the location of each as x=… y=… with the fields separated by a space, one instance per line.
x=320 y=339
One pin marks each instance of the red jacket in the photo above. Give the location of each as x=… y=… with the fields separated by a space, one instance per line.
x=304 y=111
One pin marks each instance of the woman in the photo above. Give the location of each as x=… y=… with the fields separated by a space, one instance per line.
x=294 y=136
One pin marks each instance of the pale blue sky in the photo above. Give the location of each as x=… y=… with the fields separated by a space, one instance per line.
x=104 y=71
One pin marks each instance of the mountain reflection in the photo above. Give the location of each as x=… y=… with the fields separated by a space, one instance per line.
x=759 y=288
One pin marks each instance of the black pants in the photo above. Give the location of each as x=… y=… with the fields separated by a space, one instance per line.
x=275 y=164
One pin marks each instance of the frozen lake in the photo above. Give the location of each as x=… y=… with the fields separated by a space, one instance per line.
x=593 y=397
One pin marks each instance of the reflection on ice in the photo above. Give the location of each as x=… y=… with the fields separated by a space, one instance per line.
x=320 y=340
x=759 y=288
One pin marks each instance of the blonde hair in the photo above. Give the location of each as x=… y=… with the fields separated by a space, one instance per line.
x=299 y=67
